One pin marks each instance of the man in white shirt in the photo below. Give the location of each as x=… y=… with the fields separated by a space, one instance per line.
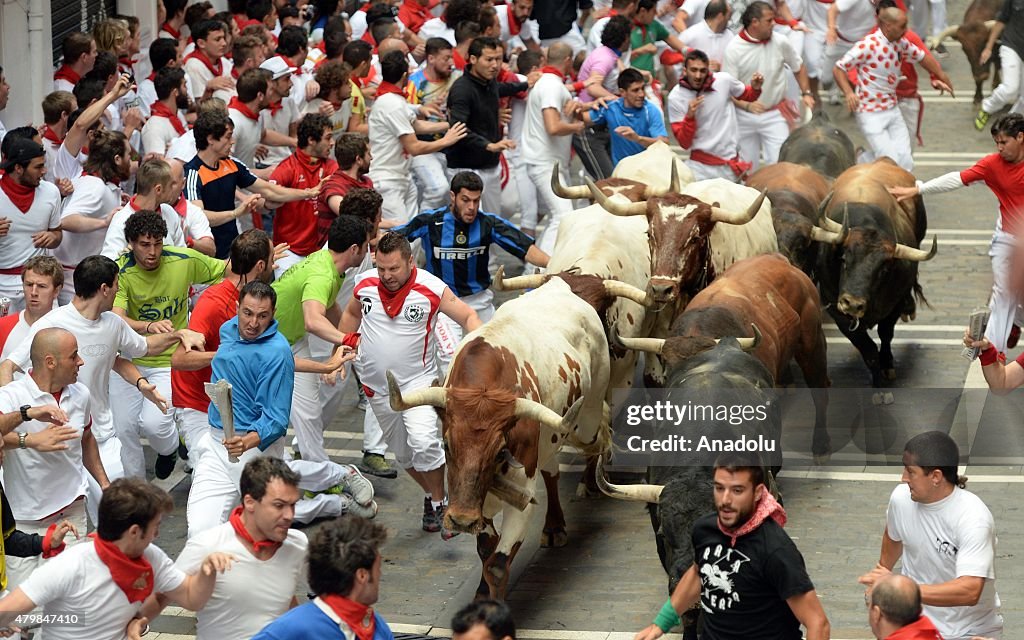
x=396 y=322
x=393 y=130
x=712 y=34
x=42 y=278
x=547 y=138
x=108 y=579
x=57 y=106
x=244 y=111
x=876 y=60
x=757 y=49
x=78 y=54
x=280 y=116
x=945 y=536
x=517 y=30
x=46 y=422
x=618 y=8
x=847 y=22
x=208 y=69
x=152 y=193
x=29 y=215
x=165 y=123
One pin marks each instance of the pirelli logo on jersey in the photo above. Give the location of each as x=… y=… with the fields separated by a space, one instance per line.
x=445 y=253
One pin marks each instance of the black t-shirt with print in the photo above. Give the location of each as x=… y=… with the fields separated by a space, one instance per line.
x=744 y=588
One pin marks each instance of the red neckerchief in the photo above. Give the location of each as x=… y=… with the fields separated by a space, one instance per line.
x=131 y=203
x=243 y=533
x=215 y=69
x=242 y=108
x=418 y=11
x=561 y=76
x=708 y=81
x=174 y=33
x=298 y=68
x=151 y=77
x=746 y=36
x=160 y=109
x=134 y=576
x=514 y=24
x=51 y=135
x=385 y=88
x=20 y=195
x=126 y=63
x=234 y=73
x=243 y=21
x=768 y=507
x=309 y=162
x=275 y=107
x=368 y=38
x=643 y=29
x=358 y=617
x=65 y=73
x=393 y=301
x=181 y=206
x=612 y=13
x=458 y=60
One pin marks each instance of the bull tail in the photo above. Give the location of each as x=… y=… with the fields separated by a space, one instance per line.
x=918 y=292
x=602 y=442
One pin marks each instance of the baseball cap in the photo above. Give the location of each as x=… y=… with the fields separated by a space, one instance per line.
x=278 y=67
x=20 y=151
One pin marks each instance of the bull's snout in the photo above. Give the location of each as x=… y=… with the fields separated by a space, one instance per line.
x=466 y=522
x=663 y=290
x=852 y=306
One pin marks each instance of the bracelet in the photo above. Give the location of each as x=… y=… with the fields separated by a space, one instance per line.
x=148 y=326
x=667 y=617
x=807 y=93
x=141 y=378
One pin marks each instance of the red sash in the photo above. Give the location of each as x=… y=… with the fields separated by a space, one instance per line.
x=738 y=166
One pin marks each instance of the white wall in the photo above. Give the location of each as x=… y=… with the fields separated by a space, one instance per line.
x=25 y=54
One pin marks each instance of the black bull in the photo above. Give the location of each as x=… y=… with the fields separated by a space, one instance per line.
x=820 y=145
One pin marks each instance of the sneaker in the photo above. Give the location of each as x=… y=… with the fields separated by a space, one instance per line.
x=940 y=51
x=350 y=506
x=446 y=533
x=165 y=465
x=1014 y=337
x=431 y=523
x=376 y=465
x=356 y=485
x=981 y=119
x=363 y=403
x=182 y=449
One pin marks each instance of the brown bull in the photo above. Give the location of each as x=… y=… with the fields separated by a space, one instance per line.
x=795 y=191
x=973 y=35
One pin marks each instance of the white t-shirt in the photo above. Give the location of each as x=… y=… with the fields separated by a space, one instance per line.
x=195 y=225
x=716 y=116
x=943 y=541
x=248 y=132
x=40 y=484
x=434 y=28
x=515 y=125
x=404 y=344
x=157 y=134
x=856 y=19
x=183 y=147
x=199 y=74
x=527 y=31
x=78 y=581
x=66 y=165
x=700 y=36
x=99 y=342
x=51 y=148
x=340 y=118
x=279 y=121
x=695 y=11
x=16 y=337
x=539 y=148
x=114 y=242
x=743 y=58
x=17 y=247
x=92 y=198
x=390 y=119
x=254 y=592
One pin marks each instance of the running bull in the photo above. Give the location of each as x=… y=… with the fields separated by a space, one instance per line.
x=820 y=145
x=973 y=34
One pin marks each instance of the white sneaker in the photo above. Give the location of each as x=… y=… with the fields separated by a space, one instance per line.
x=348 y=505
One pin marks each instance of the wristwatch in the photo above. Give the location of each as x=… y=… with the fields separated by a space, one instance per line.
x=24 y=413
x=21 y=440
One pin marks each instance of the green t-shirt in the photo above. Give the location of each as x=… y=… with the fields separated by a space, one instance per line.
x=315 y=278
x=162 y=294
x=641 y=35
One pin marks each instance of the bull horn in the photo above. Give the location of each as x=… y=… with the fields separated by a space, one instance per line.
x=947 y=33
x=823 y=207
x=833 y=237
x=531 y=410
x=831 y=225
x=631 y=492
x=501 y=283
x=562 y=191
x=675 y=185
x=749 y=344
x=613 y=206
x=903 y=252
x=647 y=345
x=508 y=491
x=431 y=396
x=732 y=217
x=625 y=290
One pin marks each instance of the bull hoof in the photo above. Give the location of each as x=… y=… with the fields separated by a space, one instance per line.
x=821 y=459
x=554 y=538
x=882 y=397
x=908 y=317
x=889 y=374
x=583 y=491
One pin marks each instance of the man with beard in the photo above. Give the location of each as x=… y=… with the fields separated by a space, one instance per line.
x=280 y=115
x=309 y=165
x=164 y=124
x=352 y=153
x=153 y=191
x=748 y=577
x=29 y=215
x=429 y=85
x=395 y=306
x=244 y=111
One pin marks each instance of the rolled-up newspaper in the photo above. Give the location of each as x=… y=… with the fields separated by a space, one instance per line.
x=976 y=329
x=220 y=395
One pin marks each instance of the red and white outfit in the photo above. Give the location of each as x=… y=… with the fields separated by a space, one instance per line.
x=877 y=62
x=45 y=488
x=115 y=243
x=816 y=19
x=711 y=136
x=93 y=198
x=13 y=331
x=398 y=335
x=200 y=70
x=163 y=126
x=515 y=33
x=247 y=132
x=762 y=133
x=193 y=221
x=30 y=211
x=391 y=170
x=279 y=117
x=64 y=79
x=51 y=144
x=856 y=19
x=295 y=222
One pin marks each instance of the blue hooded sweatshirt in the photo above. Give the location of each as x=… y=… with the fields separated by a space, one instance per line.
x=262 y=374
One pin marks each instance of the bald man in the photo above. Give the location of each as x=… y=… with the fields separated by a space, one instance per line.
x=875 y=62
x=894 y=605
x=46 y=421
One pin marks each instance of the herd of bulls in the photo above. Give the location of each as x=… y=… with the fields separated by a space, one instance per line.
x=720 y=284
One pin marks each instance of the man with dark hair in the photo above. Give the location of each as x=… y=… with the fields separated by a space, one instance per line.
x=333 y=100
x=358 y=55
x=292 y=47
x=484 y=620
x=429 y=85
x=163 y=53
x=745 y=565
x=165 y=123
x=67 y=162
x=208 y=69
x=310 y=165
x=634 y=121
x=473 y=100
x=344 y=572
x=625 y=8
x=712 y=34
x=29 y=215
x=244 y=111
x=395 y=306
x=457 y=240
x=648 y=32
x=894 y=610
x=171 y=28
x=155 y=282
x=107 y=579
x=352 y=153
x=602 y=64
x=78 y=52
x=393 y=138
x=153 y=191
x=945 y=537
x=57 y=108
